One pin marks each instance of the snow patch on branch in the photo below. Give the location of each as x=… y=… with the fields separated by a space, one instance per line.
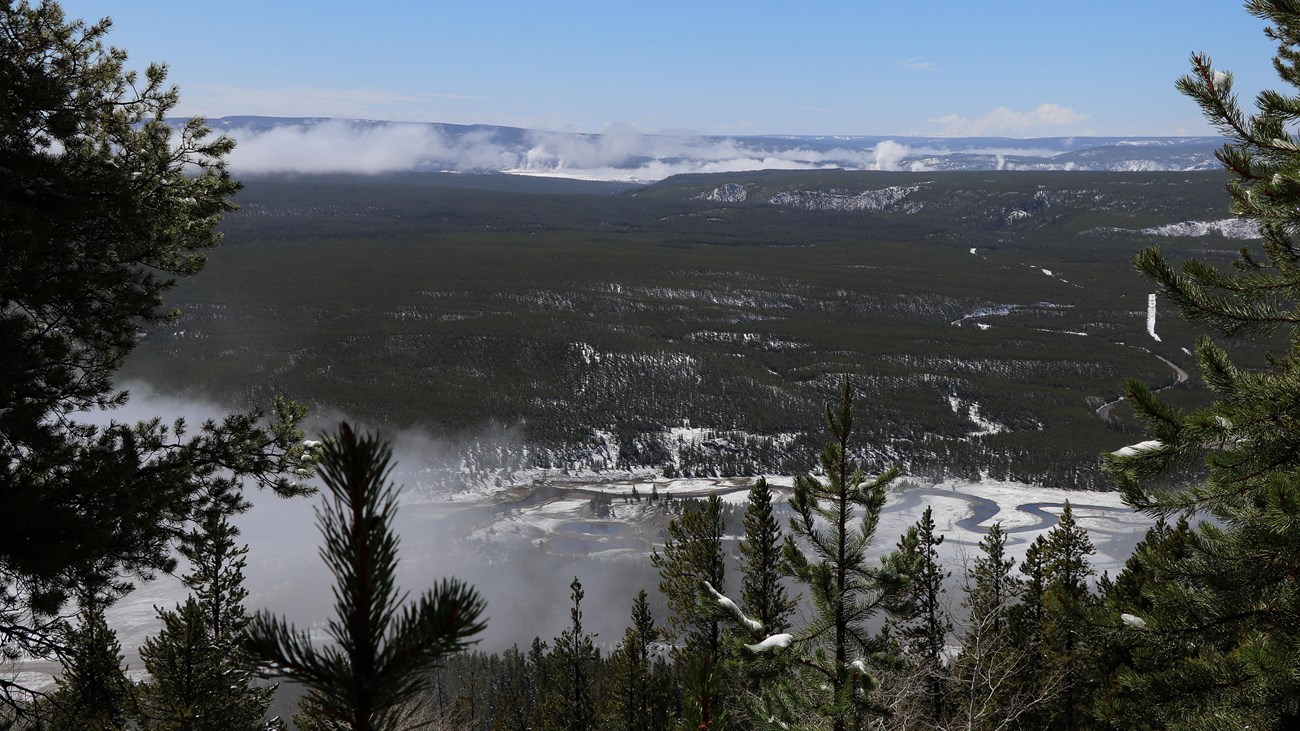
x=1134 y=450
x=730 y=606
x=1134 y=621
x=781 y=640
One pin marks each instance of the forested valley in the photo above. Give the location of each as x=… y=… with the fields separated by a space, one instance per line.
x=791 y=352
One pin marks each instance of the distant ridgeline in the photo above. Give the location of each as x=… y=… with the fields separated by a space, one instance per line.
x=318 y=145
x=699 y=325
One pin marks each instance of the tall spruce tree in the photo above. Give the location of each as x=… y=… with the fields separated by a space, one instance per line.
x=762 y=593
x=572 y=702
x=1064 y=630
x=103 y=207
x=692 y=560
x=991 y=587
x=383 y=653
x=828 y=682
x=925 y=628
x=635 y=665
x=1026 y=623
x=1232 y=604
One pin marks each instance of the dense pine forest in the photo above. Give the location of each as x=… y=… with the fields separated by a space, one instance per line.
x=817 y=619
x=579 y=329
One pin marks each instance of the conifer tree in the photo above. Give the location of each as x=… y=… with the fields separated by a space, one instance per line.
x=1027 y=617
x=93 y=692
x=1122 y=653
x=996 y=684
x=691 y=556
x=539 y=667
x=829 y=681
x=1026 y=622
x=195 y=683
x=572 y=705
x=691 y=564
x=635 y=663
x=1067 y=599
x=991 y=587
x=383 y=653
x=924 y=629
x=1232 y=604
x=104 y=205
x=762 y=593
x=200 y=677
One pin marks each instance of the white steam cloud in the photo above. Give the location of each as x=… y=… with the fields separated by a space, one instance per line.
x=889 y=154
x=526 y=589
x=622 y=152
x=342 y=147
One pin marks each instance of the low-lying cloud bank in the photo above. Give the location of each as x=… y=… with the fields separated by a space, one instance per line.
x=620 y=153
x=624 y=153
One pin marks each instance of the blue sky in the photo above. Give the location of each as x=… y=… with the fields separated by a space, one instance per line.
x=999 y=67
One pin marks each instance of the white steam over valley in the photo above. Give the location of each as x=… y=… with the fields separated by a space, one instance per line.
x=620 y=153
x=526 y=588
x=521 y=555
x=624 y=153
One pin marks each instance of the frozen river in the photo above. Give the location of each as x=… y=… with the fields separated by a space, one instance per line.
x=522 y=545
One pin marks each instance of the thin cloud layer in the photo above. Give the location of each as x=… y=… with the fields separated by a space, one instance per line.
x=1007 y=122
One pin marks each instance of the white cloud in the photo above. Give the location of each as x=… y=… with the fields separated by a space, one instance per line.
x=917 y=64
x=1007 y=122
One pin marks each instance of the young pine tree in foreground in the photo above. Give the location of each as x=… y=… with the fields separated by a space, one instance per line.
x=828 y=682
x=572 y=702
x=693 y=554
x=924 y=629
x=200 y=677
x=383 y=653
x=636 y=694
x=93 y=693
x=761 y=566
x=692 y=558
x=1064 y=631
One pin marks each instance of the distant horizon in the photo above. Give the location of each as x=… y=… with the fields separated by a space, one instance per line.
x=1015 y=70
x=1209 y=134
x=320 y=144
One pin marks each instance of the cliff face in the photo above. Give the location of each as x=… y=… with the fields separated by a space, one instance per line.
x=884 y=199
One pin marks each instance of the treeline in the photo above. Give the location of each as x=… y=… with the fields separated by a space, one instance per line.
x=1037 y=643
